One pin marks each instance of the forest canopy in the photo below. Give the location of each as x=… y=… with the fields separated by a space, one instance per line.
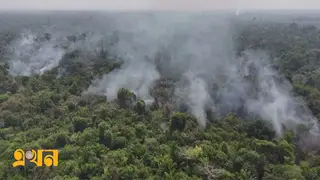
x=128 y=136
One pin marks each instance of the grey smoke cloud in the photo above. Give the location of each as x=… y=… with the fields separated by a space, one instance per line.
x=30 y=56
x=273 y=100
x=136 y=77
x=35 y=51
x=198 y=51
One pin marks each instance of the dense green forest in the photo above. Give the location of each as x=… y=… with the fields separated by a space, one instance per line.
x=127 y=139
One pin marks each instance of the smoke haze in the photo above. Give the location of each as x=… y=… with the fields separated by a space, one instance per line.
x=183 y=5
x=33 y=57
x=197 y=50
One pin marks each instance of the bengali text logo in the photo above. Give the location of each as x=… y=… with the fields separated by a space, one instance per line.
x=39 y=157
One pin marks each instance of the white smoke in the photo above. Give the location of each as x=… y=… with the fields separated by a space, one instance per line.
x=274 y=101
x=136 y=46
x=35 y=52
x=238 y=12
x=34 y=56
x=138 y=77
x=198 y=97
x=198 y=50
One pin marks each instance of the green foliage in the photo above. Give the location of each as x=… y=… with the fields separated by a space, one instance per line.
x=80 y=123
x=178 y=121
x=140 y=107
x=126 y=98
x=3 y=97
x=282 y=172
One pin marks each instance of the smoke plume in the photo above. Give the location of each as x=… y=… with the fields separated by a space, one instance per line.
x=198 y=51
x=32 y=55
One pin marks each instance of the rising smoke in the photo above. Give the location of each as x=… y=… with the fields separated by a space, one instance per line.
x=32 y=55
x=197 y=50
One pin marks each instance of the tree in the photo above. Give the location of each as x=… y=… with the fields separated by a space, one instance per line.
x=178 y=121
x=80 y=124
x=126 y=98
x=140 y=107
